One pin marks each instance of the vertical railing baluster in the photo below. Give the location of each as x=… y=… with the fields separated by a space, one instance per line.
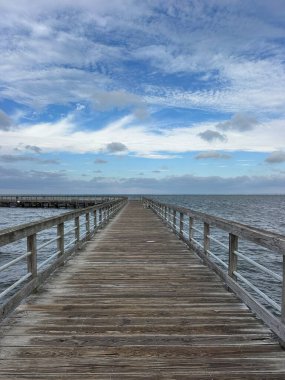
x=181 y=224
x=87 y=218
x=32 y=258
x=191 y=230
x=100 y=217
x=77 y=229
x=95 y=219
x=206 y=238
x=174 y=220
x=60 y=238
x=233 y=246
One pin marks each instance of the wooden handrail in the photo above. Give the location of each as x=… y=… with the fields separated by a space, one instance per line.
x=38 y=272
x=229 y=271
x=11 y=234
x=267 y=239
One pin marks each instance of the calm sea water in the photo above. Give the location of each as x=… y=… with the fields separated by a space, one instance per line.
x=262 y=211
x=10 y=217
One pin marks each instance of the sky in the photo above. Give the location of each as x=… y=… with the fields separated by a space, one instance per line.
x=123 y=96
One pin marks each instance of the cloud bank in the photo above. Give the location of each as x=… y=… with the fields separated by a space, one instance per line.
x=16 y=181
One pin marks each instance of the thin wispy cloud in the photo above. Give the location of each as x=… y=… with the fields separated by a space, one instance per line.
x=20 y=158
x=212 y=155
x=99 y=161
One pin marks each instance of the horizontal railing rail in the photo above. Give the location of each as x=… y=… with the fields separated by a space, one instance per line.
x=71 y=230
x=182 y=220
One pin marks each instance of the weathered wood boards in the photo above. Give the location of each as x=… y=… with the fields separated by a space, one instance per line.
x=136 y=304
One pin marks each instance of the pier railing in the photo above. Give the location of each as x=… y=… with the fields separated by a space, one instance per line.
x=43 y=245
x=249 y=278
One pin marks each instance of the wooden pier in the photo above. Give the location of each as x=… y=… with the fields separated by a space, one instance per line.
x=136 y=303
x=51 y=201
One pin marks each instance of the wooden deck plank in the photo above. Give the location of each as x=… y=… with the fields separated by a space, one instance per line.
x=136 y=304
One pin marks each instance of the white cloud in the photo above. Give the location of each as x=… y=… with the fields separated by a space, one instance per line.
x=141 y=139
x=80 y=107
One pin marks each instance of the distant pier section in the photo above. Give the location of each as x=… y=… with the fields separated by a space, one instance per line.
x=53 y=201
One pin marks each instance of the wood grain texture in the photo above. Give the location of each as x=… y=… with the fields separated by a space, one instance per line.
x=136 y=304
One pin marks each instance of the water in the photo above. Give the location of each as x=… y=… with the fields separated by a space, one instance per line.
x=11 y=217
x=260 y=211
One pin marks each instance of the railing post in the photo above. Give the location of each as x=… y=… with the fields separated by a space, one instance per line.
x=283 y=293
x=32 y=258
x=233 y=246
x=191 y=231
x=60 y=240
x=77 y=229
x=95 y=219
x=165 y=214
x=206 y=238
x=87 y=218
x=174 y=220
x=100 y=217
x=181 y=224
